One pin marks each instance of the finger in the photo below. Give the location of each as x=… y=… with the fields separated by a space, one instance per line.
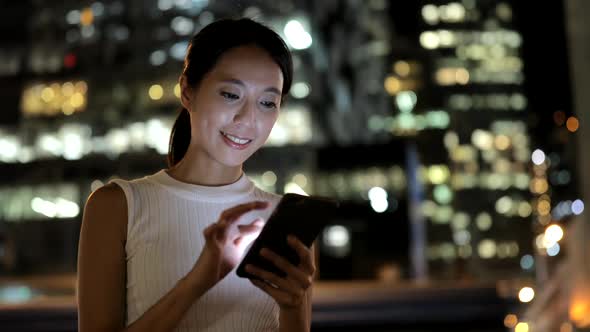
x=230 y=216
x=248 y=229
x=246 y=234
x=207 y=232
x=253 y=227
x=258 y=222
x=276 y=293
x=288 y=286
x=242 y=238
x=284 y=265
x=304 y=253
x=234 y=213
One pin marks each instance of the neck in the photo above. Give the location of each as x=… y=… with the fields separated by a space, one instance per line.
x=204 y=171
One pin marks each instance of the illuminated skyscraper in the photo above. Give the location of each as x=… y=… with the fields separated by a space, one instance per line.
x=480 y=217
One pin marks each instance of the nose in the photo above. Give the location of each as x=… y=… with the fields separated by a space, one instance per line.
x=246 y=115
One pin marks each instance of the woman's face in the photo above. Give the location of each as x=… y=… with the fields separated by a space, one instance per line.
x=235 y=106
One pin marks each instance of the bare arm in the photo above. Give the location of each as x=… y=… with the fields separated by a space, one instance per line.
x=102 y=272
x=102 y=267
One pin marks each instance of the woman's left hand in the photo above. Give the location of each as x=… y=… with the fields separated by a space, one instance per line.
x=290 y=290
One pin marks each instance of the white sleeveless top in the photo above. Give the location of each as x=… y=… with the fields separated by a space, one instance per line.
x=166 y=219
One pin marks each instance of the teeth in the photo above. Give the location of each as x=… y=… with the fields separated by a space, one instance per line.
x=235 y=139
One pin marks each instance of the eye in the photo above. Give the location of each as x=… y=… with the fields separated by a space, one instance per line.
x=269 y=104
x=229 y=95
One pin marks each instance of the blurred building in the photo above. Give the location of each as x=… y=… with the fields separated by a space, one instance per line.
x=414 y=114
x=94 y=93
x=480 y=214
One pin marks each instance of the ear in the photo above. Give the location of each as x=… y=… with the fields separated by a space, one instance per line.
x=186 y=93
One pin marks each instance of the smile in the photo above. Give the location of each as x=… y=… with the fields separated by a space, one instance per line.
x=235 y=142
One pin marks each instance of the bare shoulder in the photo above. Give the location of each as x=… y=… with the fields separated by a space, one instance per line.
x=109 y=194
x=107 y=206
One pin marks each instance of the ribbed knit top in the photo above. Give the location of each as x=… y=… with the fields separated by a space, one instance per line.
x=166 y=219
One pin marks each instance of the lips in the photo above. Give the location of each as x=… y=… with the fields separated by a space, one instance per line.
x=235 y=142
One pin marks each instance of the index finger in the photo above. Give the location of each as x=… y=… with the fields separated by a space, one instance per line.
x=232 y=214
x=305 y=253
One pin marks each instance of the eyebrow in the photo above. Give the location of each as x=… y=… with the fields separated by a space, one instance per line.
x=239 y=82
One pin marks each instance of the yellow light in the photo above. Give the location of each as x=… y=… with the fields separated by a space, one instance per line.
x=156 y=92
x=177 y=90
x=429 y=40
x=402 y=68
x=526 y=294
x=430 y=14
x=510 y=321
x=445 y=76
x=539 y=185
x=86 y=17
x=67 y=89
x=81 y=87
x=392 y=85
x=47 y=94
x=502 y=142
x=541 y=242
x=30 y=103
x=438 y=174
x=77 y=100
x=579 y=313
x=554 y=233
x=504 y=205
x=67 y=108
x=524 y=209
x=572 y=124
x=486 y=249
x=462 y=76
x=543 y=208
x=579 y=303
x=522 y=327
x=482 y=139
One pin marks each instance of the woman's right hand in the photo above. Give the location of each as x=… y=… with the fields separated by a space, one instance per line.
x=222 y=252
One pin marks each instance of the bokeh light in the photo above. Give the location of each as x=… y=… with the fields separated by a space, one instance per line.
x=510 y=321
x=156 y=92
x=526 y=294
x=572 y=124
x=522 y=327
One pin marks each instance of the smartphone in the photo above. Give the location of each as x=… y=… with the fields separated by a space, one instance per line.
x=299 y=215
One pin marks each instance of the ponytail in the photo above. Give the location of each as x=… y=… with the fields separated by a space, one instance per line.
x=180 y=137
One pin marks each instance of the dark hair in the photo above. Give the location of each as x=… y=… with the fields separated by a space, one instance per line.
x=205 y=49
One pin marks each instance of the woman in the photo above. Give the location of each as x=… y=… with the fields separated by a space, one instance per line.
x=159 y=253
